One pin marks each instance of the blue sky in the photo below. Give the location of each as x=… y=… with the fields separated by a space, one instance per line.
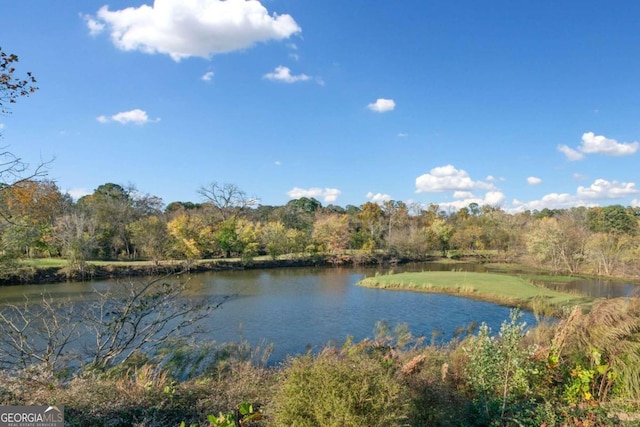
x=519 y=104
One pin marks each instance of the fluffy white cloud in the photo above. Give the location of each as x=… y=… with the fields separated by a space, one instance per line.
x=570 y=153
x=402 y=134
x=585 y=196
x=382 y=105
x=187 y=28
x=448 y=178
x=635 y=203
x=327 y=194
x=550 y=201
x=283 y=74
x=136 y=116
x=533 y=180
x=378 y=197
x=491 y=198
x=599 y=144
x=208 y=76
x=462 y=195
x=603 y=189
x=95 y=27
x=494 y=198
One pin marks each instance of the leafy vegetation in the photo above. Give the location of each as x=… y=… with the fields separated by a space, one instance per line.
x=120 y=223
x=559 y=374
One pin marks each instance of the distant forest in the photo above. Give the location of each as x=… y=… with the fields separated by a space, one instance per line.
x=120 y=223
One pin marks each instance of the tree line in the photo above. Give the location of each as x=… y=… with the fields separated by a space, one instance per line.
x=118 y=222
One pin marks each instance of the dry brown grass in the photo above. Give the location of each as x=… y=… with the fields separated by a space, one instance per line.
x=612 y=327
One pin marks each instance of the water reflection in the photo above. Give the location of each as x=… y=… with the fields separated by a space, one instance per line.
x=302 y=308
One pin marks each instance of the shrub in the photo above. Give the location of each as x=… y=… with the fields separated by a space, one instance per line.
x=339 y=389
x=499 y=370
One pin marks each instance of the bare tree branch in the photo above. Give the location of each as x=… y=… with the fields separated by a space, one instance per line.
x=227 y=199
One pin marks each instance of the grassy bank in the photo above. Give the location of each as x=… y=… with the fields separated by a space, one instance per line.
x=498 y=288
x=53 y=270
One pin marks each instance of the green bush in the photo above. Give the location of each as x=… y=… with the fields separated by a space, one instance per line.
x=339 y=389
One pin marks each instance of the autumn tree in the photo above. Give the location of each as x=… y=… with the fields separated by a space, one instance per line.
x=150 y=237
x=191 y=237
x=29 y=209
x=396 y=215
x=248 y=233
x=274 y=239
x=331 y=231
x=371 y=217
x=114 y=207
x=441 y=232
x=13 y=87
x=607 y=252
x=13 y=169
x=559 y=243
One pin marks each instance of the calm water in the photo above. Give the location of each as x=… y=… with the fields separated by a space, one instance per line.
x=305 y=308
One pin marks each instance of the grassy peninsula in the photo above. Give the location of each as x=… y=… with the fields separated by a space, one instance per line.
x=498 y=288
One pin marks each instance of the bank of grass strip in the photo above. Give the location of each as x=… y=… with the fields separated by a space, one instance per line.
x=498 y=288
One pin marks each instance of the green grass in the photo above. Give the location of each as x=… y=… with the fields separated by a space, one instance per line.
x=61 y=262
x=45 y=262
x=498 y=288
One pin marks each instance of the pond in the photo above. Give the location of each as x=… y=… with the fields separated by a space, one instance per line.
x=302 y=309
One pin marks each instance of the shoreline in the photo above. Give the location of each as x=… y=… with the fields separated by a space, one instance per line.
x=31 y=275
x=527 y=297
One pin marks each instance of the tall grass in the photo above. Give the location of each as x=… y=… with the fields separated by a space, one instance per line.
x=514 y=377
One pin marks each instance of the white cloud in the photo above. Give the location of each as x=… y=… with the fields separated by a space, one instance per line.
x=550 y=201
x=579 y=177
x=277 y=163
x=283 y=74
x=491 y=198
x=494 y=198
x=533 y=180
x=462 y=195
x=293 y=55
x=382 y=105
x=182 y=29
x=448 y=178
x=77 y=193
x=635 y=203
x=136 y=116
x=603 y=189
x=208 y=76
x=402 y=134
x=599 y=144
x=1 y=125
x=570 y=153
x=378 y=197
x=94 y=26
x=327 y=194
